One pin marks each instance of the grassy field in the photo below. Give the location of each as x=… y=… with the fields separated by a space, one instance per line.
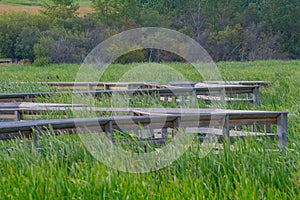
x=38 y=3
x=64 y=169
x=33 y=7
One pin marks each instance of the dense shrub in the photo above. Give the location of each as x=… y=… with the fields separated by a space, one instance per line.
x=41 y=61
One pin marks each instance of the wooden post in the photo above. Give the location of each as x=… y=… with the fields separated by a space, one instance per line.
x=27 y=98
x=249 y=96
x=17 y=115
x=36 y=138
x=225 y=129
x=282 y=130
x=222 y=94
x=166 y=99
x=176 y=125
x=268 y=128
x=108 y=130
x=164 y=132
x=254 y=127
x=256 y=95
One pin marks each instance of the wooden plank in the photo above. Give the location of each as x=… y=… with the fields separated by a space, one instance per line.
x=33 y=105
x=183 y=84
x=232 y=133
x=259 y=83
x=216 y=98
x=193 y=83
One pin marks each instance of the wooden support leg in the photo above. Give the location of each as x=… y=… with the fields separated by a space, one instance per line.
x=27 y=98
x=254 y=127
x=268 y=128
x=222 y=94
x=225 y=129
x=17 y=115
x=108 y=131
x=249 y=96
x=256 y=96
x=164 y=132
x=36 y=138
x=176 y=125
x=282 y=136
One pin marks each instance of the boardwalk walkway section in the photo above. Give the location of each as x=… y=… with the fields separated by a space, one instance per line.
x=213 y=92
x=99 y=85
x=204 y=121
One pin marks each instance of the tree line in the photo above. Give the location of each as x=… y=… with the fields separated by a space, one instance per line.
x=229 y=30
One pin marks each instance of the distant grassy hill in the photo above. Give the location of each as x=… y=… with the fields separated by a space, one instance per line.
x=38 y=3
x=32 y=6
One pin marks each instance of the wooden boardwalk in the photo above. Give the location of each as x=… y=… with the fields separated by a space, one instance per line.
x=162 y=121
x=217 y=92
x=99 y=85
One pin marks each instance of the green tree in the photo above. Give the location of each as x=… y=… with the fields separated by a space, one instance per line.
x=61 y=12
x=18 y=31
x=25 y=42
x=117 y=12
x=282 y=17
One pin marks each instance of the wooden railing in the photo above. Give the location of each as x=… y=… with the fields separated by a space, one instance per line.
x=210 y=93
x=99 y=85
x=205 y=121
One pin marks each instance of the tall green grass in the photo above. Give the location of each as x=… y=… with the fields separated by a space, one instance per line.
x=64 y=169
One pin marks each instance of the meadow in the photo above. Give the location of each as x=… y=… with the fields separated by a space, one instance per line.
x=34 y=7
x=64 y=169
x=38 y=3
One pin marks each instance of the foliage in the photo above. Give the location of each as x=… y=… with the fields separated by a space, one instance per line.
x=228 y=30
x=61 y=11
x=14 y=31
x=116 y=12
x=41 y=61
x=27 y=38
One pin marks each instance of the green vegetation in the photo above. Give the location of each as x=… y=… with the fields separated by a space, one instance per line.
x=64 y=169
x=228 y=30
